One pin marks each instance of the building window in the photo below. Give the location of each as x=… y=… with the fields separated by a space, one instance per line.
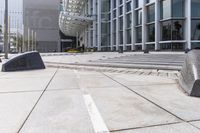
x=172 y=30
x=120 y=2
x=172 y=9
x=121 y=10
x=128 y=32
x=114 y=14
x=151 y=13
x=165 y=9
x=129 y=20
x=139 y=34
x=114 y=3
x=139 y=3
x=195 y=24
x=195 y=30
x=173 y=46
x=177 y=29
x=139 y=17
x=151 y=33
x=166 y=30
x=121 y=23
x=121 y=37
x=196 y=45
x=150 y=46
x=128 y=6
x=106 y=5
x=195 y=8
x=150 y=1
x=178 y=8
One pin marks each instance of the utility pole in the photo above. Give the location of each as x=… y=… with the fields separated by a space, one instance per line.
x=35 y=41
x=32 y=34
x=9 y=36
x=6 y=30
x=28 y=39
x=23 y=43
x=17 y=39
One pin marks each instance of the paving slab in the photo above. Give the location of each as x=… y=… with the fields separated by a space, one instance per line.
x=25 y=80
x=96 y=82
x=64 y=79
x=25 y=84
x=140 y=80
x=59 y=112
x=173 y=128
x=122 y=109
x=14 y=108
x=48 y=72
x=172 y=99
x=196 y=123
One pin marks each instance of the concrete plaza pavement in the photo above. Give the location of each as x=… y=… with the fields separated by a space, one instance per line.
x=154 y=60
x=57 y=100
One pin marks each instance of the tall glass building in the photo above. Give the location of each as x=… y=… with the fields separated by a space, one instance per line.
x=110 y=25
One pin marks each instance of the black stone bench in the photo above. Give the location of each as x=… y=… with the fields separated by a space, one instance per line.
x=190 y=74
x=25 y=61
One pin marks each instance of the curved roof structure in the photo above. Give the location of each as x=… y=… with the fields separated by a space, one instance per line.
x=71 y=20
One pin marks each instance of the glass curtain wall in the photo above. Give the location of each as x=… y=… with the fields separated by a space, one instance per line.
x=195 y=23
x=105 y=25
x=138 y=24
x=128 y=24
x=172 y=24
x=150 y=24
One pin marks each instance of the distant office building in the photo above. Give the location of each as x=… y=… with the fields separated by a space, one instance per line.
x=42 y=17
x=110 y=25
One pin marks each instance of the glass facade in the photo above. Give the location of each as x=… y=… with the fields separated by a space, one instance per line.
x=139 y=24
x=195 y=23
x=172 y=30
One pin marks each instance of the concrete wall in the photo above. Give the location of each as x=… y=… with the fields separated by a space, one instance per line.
x=42 y=16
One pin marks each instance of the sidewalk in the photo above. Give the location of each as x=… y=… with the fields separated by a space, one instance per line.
x=78 y=101
x=136 y=60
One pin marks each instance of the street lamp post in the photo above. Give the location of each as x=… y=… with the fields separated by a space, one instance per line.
x=6 y=30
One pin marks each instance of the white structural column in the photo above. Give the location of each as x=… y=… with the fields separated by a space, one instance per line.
x=111 y=25
x=35 y=36
x=94 y=23
x=85 y=37
x=124 y=25
x=28 y=39
x=99 y=25
x=157 y=25
x=133 y=38
x=144 y=29
x=117 y=25
x=89 y=26
x=188 y=23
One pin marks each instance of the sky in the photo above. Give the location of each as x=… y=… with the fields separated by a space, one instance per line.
x=15 y=12
x=13 y=4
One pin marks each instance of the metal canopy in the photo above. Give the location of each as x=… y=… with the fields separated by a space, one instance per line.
x=71 y=20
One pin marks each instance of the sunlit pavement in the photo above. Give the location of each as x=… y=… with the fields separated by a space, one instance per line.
x=57 y=100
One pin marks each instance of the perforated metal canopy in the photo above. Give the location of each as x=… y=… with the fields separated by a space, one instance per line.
x=71 y=20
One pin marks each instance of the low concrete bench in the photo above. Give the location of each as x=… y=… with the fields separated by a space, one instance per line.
x=25 y=61
x=190 y=74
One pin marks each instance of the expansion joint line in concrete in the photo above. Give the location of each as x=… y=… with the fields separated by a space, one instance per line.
x=150 y=101
x=38 y=100
x=173 y=123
